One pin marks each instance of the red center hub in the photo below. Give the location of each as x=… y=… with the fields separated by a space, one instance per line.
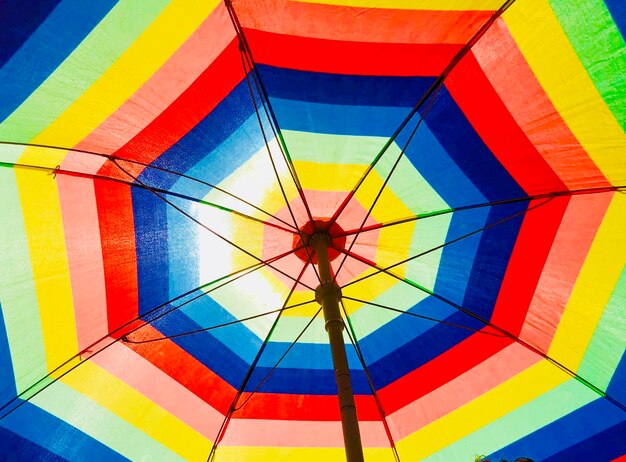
x=334 y=231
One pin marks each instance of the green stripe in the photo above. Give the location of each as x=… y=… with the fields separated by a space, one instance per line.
x=98 y=51
x=406 y=182
x=523 y=421
x=609 y=340
x=17 y=291
x=88 y=416
x=600 y=47
x=408 y=185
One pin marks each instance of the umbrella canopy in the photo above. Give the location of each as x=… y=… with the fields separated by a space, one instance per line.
x=164 y=166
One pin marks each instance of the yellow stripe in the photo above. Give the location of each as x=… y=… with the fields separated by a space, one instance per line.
x=444 y=5
x=603 y=267
x=261 y=454
x=41 y=210
x=507 y=397
x=122 y=400
x=146 y=55
x=569 y=87
x=343 y=177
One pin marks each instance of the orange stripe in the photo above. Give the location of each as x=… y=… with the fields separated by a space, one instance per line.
x=527 y=263
x=82 y=240
x=360 y=24
x=500 y=58
x=578 y=228
x=159 y=92
x=487 y=375
x=445 y=368
x=160 y=388
x=298 y=434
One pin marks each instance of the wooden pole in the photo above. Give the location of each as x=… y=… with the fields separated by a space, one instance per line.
x=328 y=295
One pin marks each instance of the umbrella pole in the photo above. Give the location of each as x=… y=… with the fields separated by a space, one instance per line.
x=328 y=295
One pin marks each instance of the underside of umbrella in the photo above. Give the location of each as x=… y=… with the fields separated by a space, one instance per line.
x=308 y=229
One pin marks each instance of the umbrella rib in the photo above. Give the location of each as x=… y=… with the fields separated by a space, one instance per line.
x=436 y=85
x=436 y=213
x=125 y=339
x=355 y=343
x=81 y=356
x=267 y=106
x=149 y=166
x=246 y=379
x=269 y=152
x=59 y=171
x=421 y=316
x=445 y=244
x=384 y=185
x=202 y=225
x=284 y=355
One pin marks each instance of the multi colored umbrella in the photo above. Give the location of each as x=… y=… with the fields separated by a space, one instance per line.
x=179 y=177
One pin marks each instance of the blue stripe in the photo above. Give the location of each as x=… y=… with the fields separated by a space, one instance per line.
x=149 y=214
x=337 y=119
x=603 y=447
x=15 y=448
x=47 y=48
x=343 y=90
x=7 y=384
x=202 y=144
x=210 y=151
x=438 y=168
x=341 y=104
x=617 y=8
x=590 y=431
x=214 y=349
x=18 y=20
x=307 y=381
x=468 y=151
x=53 y=434
x=495 y=248
x=617 y=385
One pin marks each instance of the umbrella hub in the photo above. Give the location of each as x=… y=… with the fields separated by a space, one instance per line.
x=319 y=228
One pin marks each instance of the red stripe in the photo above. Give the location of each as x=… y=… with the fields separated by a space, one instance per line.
x=192 y=374
x=184 y=368
x=526 y=265
x=353 y=58
x=304 y=407
x=447 y=366
x=213 y=85
x=509 y=73
x=484 y=109
x=568 y=253
x=117 y=233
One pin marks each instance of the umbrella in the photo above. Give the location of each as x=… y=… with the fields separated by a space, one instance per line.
x=187 y=185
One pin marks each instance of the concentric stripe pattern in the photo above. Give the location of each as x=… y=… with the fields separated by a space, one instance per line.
x=159 y=163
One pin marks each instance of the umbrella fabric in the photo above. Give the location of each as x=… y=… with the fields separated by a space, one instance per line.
x=162 y=164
